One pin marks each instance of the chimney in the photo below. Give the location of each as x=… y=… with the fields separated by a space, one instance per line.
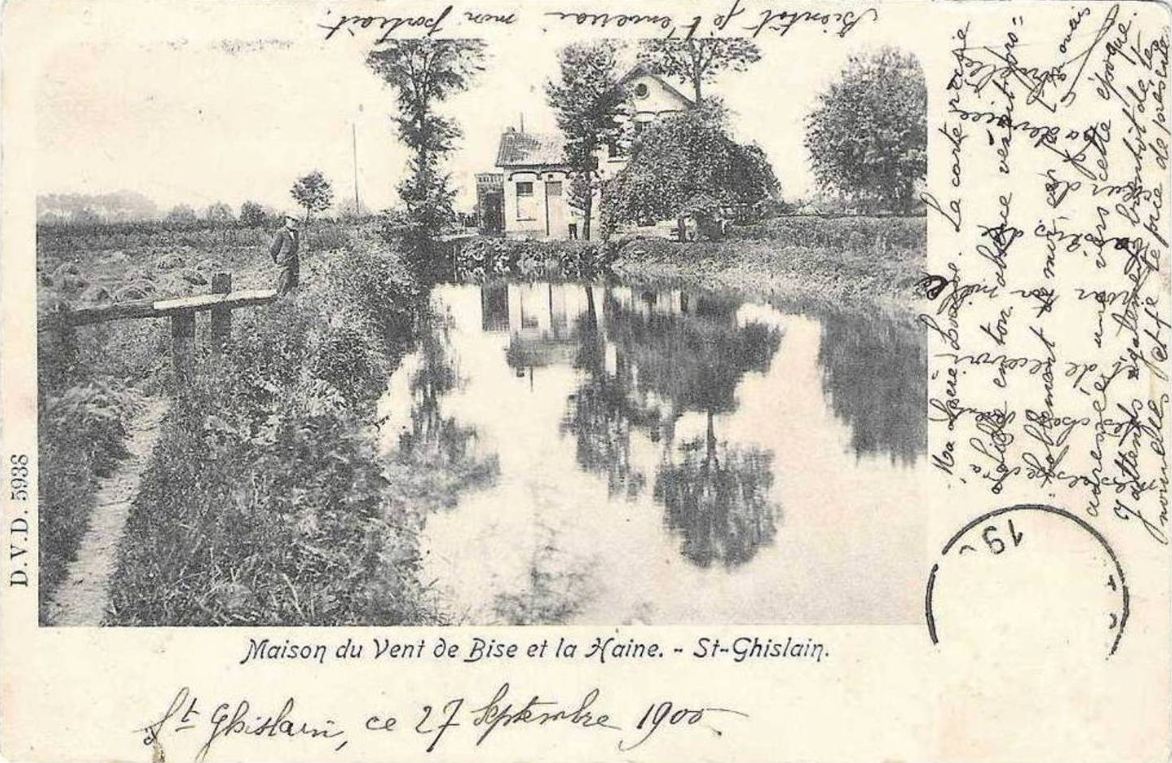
x=522 y=121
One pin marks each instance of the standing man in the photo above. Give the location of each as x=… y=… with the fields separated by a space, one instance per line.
x=284 y=252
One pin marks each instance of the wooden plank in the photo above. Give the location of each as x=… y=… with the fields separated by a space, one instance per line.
x=154 y=309
x=183 y=348
x=143 y=308
x=221 y=316
x=208 y=301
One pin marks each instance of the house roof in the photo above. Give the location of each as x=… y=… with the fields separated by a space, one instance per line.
x=526 y=149
x=642 y=70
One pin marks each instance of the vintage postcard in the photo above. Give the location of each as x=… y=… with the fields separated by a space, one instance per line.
x=662 y=381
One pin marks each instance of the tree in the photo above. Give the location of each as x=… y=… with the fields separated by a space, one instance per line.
x=220 y=213
x=697 y=60
x=252 y=214
x=313 y=193
x=586 y=99
x=683 y=162
x=424 y=73
x=868 y=136
x=85 y=216
x=181 y=213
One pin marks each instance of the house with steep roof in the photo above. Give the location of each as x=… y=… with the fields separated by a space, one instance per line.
x=528 y=195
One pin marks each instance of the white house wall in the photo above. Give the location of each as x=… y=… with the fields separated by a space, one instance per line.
x=529 y=220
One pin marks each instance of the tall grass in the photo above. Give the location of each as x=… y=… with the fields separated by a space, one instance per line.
x=81 y=439
x=266 y=502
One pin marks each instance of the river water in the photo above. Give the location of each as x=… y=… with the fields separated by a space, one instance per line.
x=666 y=457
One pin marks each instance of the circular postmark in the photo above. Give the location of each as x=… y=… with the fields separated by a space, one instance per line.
x=1030 y=573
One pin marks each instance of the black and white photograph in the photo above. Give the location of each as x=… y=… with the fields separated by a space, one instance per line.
x=504 y=381
x=440 y=331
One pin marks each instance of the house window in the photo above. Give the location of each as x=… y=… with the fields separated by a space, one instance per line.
x=526 y=202
x=641 y=90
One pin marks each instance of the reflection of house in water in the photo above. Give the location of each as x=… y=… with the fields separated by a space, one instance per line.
x=541 y=320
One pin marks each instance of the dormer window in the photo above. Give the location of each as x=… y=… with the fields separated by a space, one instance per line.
x=642 y=91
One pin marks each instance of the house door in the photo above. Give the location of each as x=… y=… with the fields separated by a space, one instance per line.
x=493 y=219
x=555 y=210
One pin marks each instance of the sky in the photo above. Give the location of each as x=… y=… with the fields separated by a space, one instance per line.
x=197 y=121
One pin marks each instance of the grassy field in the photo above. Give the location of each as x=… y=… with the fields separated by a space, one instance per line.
x=855 y=260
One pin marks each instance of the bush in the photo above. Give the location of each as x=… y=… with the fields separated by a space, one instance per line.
x=833 y=258
x=487 y=258
x=903 y=233
x=327 y=237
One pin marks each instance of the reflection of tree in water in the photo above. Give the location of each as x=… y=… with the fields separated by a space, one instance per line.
x=696 y=357
x=436 y=442
x=602 y=412
x=555 y=590
x=685 y=357
x=718 y=499
x=874 y=373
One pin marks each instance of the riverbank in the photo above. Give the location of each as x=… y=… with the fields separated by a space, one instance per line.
x=863 y=262
x=841 y=262
x=268 y=500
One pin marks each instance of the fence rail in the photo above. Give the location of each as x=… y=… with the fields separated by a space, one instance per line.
x=159 y=308
x=180 y=310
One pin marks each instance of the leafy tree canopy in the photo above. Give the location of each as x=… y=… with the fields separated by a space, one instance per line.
x=682 y=160
x=868 y=136
x=313 y=193
x=586 y=97
x=697 y=60
x=220 y=213
x=424 y=73
x=181 y=213
x=252 y=214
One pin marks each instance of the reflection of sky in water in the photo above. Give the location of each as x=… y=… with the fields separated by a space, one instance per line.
x=675 y=459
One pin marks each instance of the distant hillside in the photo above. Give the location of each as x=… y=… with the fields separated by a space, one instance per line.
x=106 y=207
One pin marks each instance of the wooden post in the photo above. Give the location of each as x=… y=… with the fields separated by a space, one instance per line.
x=221 y=316
x=182 y=347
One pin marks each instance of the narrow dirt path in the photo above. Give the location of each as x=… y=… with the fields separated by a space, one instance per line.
x=82 y=597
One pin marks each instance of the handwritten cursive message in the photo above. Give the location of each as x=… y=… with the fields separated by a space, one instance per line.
x=1048 y=317
x=740 y=18
x=474 y=720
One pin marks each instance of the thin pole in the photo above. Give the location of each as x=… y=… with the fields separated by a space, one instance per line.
x=354 y=142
